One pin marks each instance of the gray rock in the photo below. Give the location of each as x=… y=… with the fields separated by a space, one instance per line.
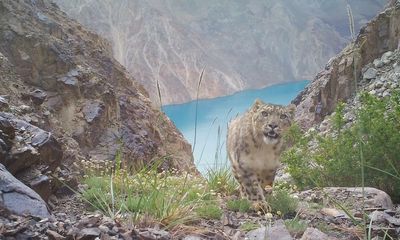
x=386 y=57
x=314 y=234
x=373 y=92
x=54 y=235
x=37 y=96
x=378 y=217
x=92 y=111
x=18 y=198
x=69 y=81
x=378 y=63
x=34 y=145
x=24 y=109
x=153 y=234
x=277 y=231
x=192 y=237
x=375 y=198
x=88 y=234
x=386 y=93
x=3 y=104
x=378 y=84
x=370 y=73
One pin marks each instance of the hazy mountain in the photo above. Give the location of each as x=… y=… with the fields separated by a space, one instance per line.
x=242 y=44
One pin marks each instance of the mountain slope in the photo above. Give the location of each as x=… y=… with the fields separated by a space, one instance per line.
x=64 y=79
x=242 y=44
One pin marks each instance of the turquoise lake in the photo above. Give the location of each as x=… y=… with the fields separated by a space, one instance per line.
x=213 y=116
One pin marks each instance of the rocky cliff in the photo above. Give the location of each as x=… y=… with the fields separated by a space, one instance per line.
x=338 y=81
x=242 y=44
x=63 y=98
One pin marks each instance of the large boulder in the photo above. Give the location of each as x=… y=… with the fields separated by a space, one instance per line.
x=19 y=199
x=28 y=152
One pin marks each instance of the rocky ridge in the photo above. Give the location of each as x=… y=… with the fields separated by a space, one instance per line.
x=63 y=79
x=336 y=82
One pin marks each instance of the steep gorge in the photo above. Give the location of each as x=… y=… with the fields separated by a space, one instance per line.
x=241 y=44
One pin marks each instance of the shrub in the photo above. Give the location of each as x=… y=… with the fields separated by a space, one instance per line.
x=374 y=139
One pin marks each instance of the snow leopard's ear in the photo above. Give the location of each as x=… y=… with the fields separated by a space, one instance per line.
x=292 y=109
x=257 y=104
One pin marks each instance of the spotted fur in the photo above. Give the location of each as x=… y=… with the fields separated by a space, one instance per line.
x=254 y=145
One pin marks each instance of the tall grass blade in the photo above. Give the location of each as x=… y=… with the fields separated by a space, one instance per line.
x=196 y=109
x=159 y=94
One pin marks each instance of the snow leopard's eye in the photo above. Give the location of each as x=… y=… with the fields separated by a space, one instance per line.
x=284 y=116
x=264 y=113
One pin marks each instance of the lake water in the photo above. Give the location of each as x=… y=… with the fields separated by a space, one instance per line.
x=213 y=116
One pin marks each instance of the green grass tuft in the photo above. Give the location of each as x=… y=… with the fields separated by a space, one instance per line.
x=239 y=205
x=209 y=211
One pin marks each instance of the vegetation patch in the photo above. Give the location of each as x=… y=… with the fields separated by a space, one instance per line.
x=248 y=226
x=282 y=202
x=239 y=205
x=296 y=227
x=370 y=144
x=209 y=210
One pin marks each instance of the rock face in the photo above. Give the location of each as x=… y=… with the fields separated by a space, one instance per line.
x=29 y=153
x=60 y=82
x=242 y=44
x=17 y=198
x=337 y=81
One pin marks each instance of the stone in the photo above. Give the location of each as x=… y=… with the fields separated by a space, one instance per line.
x=37 y=96
x=378 y=63
x=54 y=235
x=35 y=145
x=153 y=234
x=20 y=199
x=92 y=111
x=375 y=198
x=378 y=217
x=332 y=212
x=192 y=237
x=277 y=231
x=24 y=109
x=314 y=234
x=386 y=57
x=386 y=93
x=104 y=228
x=88 y=234
x=370 y=73
x=378 y=84
x=3 y=104
x=69 y=81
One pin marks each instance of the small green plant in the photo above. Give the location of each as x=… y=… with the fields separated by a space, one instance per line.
x=248 y=226
x=282 y=203
x=238 y=205
x=220 y=180
x=209 y=211
x=296 y=226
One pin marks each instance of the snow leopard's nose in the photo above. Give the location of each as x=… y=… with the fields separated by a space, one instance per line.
x=272 y=126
